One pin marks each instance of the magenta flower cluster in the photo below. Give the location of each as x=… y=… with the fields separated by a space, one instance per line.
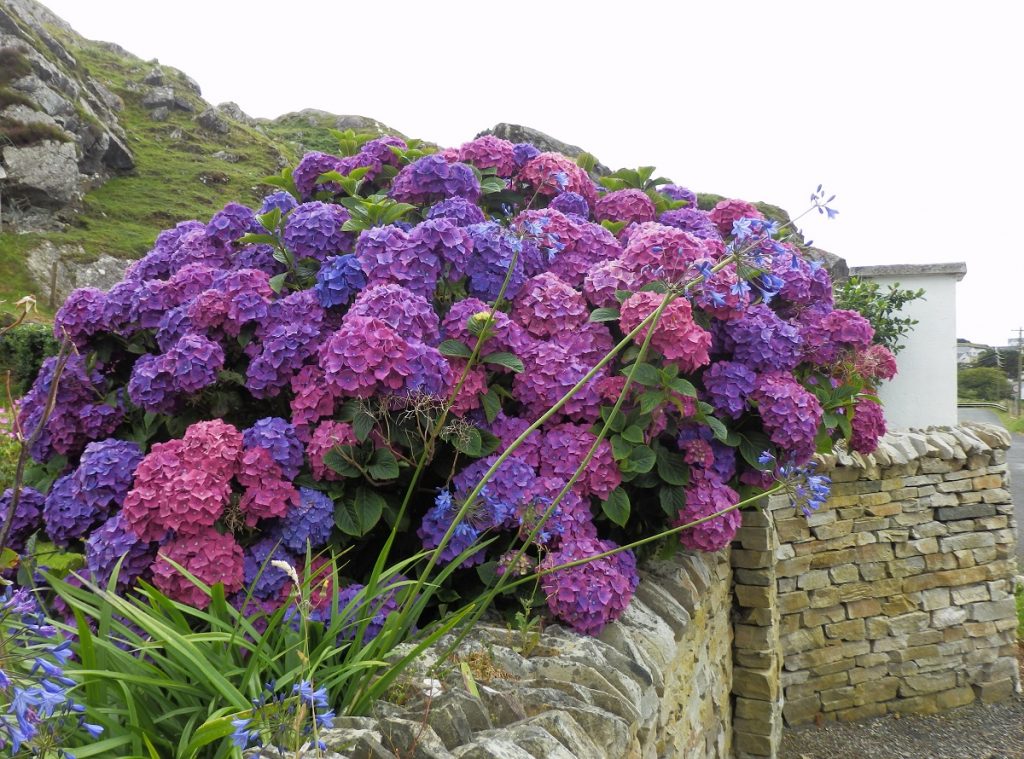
x=261 y=385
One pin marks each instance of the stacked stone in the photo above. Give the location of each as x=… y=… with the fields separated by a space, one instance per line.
x=656 y=683
x=897 y=595
x=757 y=660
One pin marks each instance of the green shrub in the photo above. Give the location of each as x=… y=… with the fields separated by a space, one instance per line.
x=8 y=460
x=22 y=352
x=983 y=383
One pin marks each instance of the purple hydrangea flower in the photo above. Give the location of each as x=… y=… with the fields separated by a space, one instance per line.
x=314 y=230
x=105 y=473
x=81 y=316
x=436 y=523
x=312 y=166
x=281 y=200
x=401 y=309
x=675 y=192
x=231 y=222
x=591 y=595
x=523 y=152
x=338 y=280
x=28 y=516
x=790 y=414
x=495 y=251
x=194 y=362
x=278 y=437
x=705 y=496
x=382 y=604
x=432 y=178
x=727 y=385
x=67 y=516
x=308 y=525
x=389 y=255
x=764 y=341
x=691 y=220
x=108 y=543
x=151 y=386
x=459 y=211
x=571 y=203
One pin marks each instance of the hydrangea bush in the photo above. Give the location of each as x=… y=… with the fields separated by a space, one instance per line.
x=347 y=362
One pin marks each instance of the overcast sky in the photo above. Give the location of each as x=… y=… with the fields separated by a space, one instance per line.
x=908 y=111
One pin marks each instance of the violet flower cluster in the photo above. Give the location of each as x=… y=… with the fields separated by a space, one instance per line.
x=270 y=395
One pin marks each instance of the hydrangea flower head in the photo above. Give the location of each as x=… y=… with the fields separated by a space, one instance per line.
x=490 y=152
x=790 y=414
x=338 y=280
x=727 y=212
x=547 y=307
x=81 y=316
x=591 y=595
x=549 y=174
x=706 y=496
x=868 y=424
x=630 y=206
x=431 y=178
x=314 y=230
x=677 y=336
x=278 y=437
x=309 y=525
x=231 y=222
x=459 y=211
x=209 y=556
x=108 y=543
x=571 y=203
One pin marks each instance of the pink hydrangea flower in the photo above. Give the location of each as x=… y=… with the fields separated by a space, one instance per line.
x=325 y=437
x=211 y=557
x=677 y=336
x=630 y=205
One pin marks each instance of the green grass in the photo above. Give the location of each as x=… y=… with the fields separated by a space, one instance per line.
x=1020 y=613
x=176 y=176
x=1012 y=423
x=16 y=282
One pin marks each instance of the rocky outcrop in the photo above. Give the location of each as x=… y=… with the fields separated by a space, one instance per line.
x=64 y=268
x=47 y=79
x=46 y=175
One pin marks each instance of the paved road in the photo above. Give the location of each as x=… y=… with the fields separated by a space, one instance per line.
x=1015 y=458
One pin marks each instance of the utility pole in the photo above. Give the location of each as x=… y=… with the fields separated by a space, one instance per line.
x=1020 y=350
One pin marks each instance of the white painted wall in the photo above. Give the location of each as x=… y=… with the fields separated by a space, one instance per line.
x=924 y=392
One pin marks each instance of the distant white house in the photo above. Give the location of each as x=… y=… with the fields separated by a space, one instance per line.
x=968 y=353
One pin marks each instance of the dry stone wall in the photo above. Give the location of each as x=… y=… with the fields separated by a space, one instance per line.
x=895 y=597
x=655 y=684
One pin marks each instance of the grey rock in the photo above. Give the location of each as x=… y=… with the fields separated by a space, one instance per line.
x=471 y=708
x=537 y=741
x=450 y=724
x=223 y=155
x=234 y=111
x=565 y=729
x=155 y=77
x=502 y=708
x=211 y=120
x=492 y=747
x=166 y=97
x=25 y=115
x=160 y=114
x=46 y=174
x=412 y=740
x=72 y=271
